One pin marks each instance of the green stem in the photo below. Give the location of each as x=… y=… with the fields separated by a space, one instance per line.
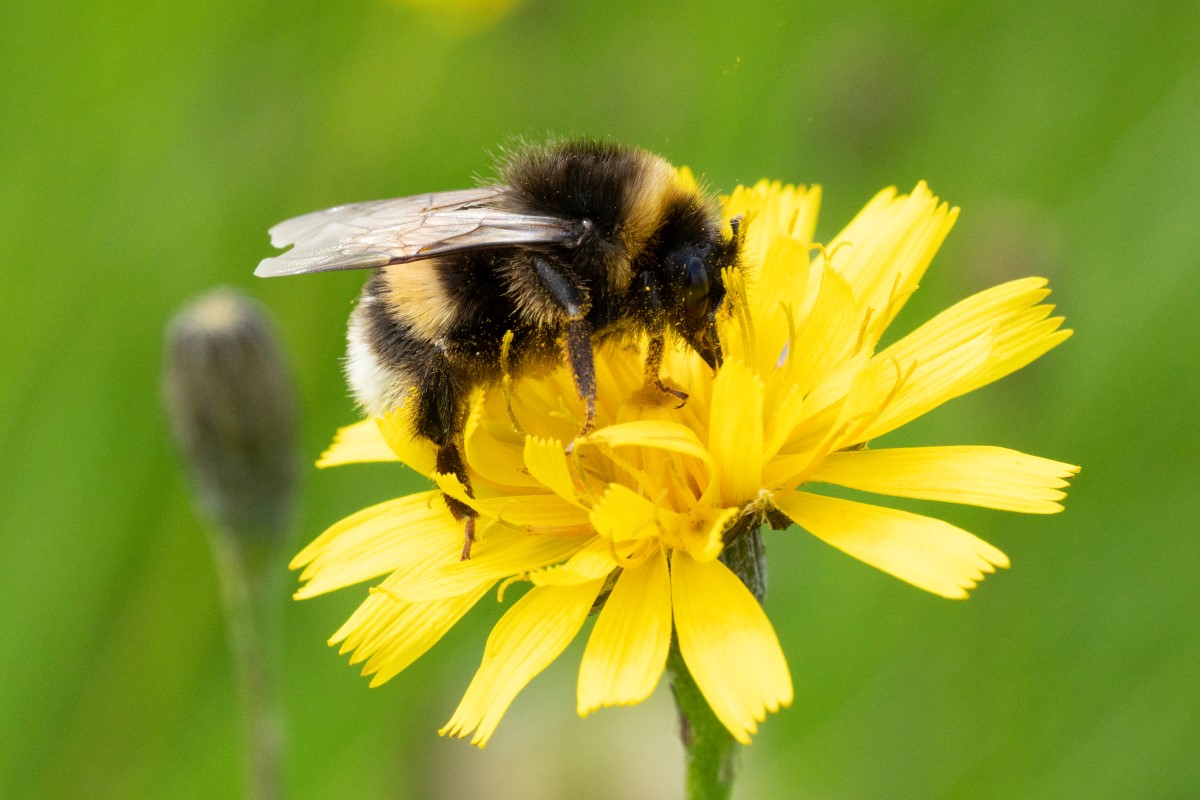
x=710 y=751
x=248 y=571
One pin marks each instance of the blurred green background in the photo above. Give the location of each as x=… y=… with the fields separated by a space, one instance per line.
x=147 y=147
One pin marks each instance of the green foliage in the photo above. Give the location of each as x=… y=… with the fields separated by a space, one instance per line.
x=148 y=147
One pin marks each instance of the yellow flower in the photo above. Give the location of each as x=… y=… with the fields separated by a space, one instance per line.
x=636 y=513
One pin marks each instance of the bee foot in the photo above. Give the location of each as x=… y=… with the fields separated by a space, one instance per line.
x=468 y=538
x=681 y=396
x=589 y=420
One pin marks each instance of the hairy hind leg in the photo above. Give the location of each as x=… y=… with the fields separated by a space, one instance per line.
x=440 y=417
x=450 y=462
x=570 y=303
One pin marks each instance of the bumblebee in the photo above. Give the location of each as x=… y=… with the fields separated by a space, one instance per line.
x=578 y=244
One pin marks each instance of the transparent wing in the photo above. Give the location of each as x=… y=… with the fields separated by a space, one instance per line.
x=382 y=232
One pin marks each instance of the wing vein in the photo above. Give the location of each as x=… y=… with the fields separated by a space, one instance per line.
x=383 y=232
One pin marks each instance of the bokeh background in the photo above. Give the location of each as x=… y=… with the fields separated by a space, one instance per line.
x=147 y=147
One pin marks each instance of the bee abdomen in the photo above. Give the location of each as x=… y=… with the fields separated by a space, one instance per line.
x=374 y=370
x=437 y=322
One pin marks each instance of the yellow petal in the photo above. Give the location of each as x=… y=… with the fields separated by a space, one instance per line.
x=623 y=515
x=993 y=477
x=921 y=385
x=821 y=404
x=661 y=435
x=407 y=534
x=1018 y=345
x=782 y=418
x=595 y=561
x=545 y=404
x=535 y=511
x=526 y=510
x=524 y=642
x=397 y=429
x=494 y=450
x=546 y=461
x=826 y=332
x=985 y=311
x=888 y=246
x=358 y=443
x=784 y=276
x=390 y=634
x=928 y=553
x=770 y=210
x=780 y=291
x=839 y=425
x=627 y=650
x=1008 y=314
x=702 y=535
x=728 y=645
x=687 y=178
x=499 y=553
x=735 y=433
x=875 y=397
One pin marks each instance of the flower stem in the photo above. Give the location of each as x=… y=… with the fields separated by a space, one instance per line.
x=710 y=751
x=248 y=572
x=746 y=556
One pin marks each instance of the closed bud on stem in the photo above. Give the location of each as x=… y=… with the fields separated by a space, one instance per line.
x=232 y=408
x=233 y=412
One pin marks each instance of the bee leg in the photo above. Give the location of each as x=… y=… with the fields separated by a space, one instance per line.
x=450 y=462
x=572 y=303
x=579 y=353
x=439 y=418
x=655 y=319
x=654 y=357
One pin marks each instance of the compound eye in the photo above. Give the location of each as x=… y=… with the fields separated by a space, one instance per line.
x=695 y=288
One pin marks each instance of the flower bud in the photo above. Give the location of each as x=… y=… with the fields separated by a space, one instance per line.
x=233 y=412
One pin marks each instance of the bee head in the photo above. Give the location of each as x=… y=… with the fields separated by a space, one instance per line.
x=695 y=290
